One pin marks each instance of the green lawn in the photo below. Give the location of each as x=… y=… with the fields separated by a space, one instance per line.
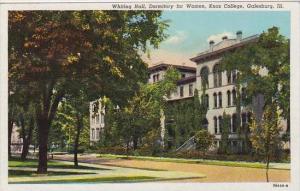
x=32 y=163
x=191 y=161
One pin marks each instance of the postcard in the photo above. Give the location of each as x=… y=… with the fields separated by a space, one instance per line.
x=149 y=95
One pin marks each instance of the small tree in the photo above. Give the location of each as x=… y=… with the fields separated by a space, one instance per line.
x=203 y=140
x=265 y=135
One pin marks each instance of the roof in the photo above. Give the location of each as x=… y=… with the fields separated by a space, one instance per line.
x=164 y=66
x=179 y=99
x=220 y=49
x=186 y=80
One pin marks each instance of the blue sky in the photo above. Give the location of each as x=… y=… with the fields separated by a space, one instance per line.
x=190 y=31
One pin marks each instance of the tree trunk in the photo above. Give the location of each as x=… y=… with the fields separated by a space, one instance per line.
x=10 y=128
x=76 y=144
x=43 y=131
x=267 y=168
x=27 y=140
x=135 y=143
x=45 y=114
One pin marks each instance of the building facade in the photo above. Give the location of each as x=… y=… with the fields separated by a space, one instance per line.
x=97 y=112
x=208 y=78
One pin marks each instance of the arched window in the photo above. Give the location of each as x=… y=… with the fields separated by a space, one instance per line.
x=228 y=77
x=220 y=99
x=207 y=101
x=215 y=100
x=220 y=124
x=244 y=120
x=234 y=76
x=93 y=134
x=205 y=123
x=233 y=97
x=228 y=98
x=249 y=120
x=217 y=75
x=243 y=100
x=216 y=125
x=234 y=123
x=204 y=77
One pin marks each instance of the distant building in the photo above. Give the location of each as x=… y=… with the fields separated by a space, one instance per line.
x=16 y=140
x=97 y=112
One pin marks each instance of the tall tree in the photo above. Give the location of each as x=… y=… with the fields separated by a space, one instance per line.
x=264 y=66
x=50 y=49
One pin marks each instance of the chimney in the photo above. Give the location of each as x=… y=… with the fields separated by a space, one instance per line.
x=239 y=35
x=211 y=45
x=224 y=37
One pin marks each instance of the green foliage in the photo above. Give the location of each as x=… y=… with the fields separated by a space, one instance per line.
x=265 y=135
x=264 y=67
x=98 y=50
x=203 y=140
x=225 y=128
x=184 y=119
x=139 y=120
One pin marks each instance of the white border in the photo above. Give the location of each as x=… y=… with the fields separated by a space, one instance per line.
x=294 y=9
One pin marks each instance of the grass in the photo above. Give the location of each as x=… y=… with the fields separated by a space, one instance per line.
x=191 y=161
x=33 y=163
x=94 y=180
x=27 y=173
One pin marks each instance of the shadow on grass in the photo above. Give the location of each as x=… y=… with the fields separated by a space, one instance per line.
x=20 y=173
x=32 y=163
x=92 y=180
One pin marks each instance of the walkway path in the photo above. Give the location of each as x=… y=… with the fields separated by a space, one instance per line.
x=213 y=173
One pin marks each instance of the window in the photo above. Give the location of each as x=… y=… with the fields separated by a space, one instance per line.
x=220 y=99
x=234 y=123
x=243 y=96
x=216 y=125
x=190 y=89
x=207 y=101
x=181 y=91
x=102 y=118
x=182 y=75
x=97 y=119
x=244 y=120
x=217 y=73
x=234 y=144
x=204 y=77
x=205 y=123
x=93 y=133
x=215 y=101
x=228 y=98
x=249 y=120
x=234 y=76
x=233 y=97
x=95 y=107
x=97 y=133
x=155 y=77
x=220 y=124
x=229 y=77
